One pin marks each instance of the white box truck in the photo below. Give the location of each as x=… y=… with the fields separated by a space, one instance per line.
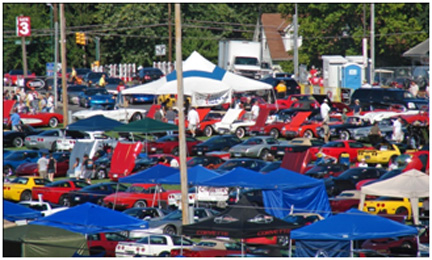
x=241 y=57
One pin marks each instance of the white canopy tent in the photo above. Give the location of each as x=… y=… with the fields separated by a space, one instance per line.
x=206 y=83
x=412 y=184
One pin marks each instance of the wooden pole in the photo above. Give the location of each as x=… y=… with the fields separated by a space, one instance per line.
x=169 y=35
x=64 y=65
x=24 y=56
x=182 y=135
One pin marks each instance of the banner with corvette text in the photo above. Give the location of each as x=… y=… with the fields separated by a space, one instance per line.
x=214 y=99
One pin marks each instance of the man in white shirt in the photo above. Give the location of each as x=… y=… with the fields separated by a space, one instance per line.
x=193 y=120
x=255 y=110
x=398 y=135
x=325 y=109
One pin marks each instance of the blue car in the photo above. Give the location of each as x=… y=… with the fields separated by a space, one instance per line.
x=140 y=98
x=96 y=96
x=94 y=193
x=15 y=158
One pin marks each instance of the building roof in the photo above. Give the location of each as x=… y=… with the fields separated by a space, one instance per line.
x=274 y=25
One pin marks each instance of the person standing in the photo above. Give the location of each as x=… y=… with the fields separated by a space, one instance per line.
x=193 y=120
x=324 y=110
x=357 y=108
x=366 y=84
x=375 y=134
x=52 y=165
x=87 y=168
x=281 y=89
x=73 y=76
x=248 y=104
x=102 y=82
x=398 y=135
x=15 y=120
x=50 y=103
x=170 y=117
x=414 y=89
x=121 y=100
x=21 y=106
x=255 y=110
x=344 y=116
x=77 y=168
x=159 y=114
x=43 y=166
x=326 y=130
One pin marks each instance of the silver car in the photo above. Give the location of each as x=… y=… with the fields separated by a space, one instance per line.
x=48 y=139
x=255 y=147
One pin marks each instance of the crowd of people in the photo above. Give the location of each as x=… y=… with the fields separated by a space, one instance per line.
x=30 y=102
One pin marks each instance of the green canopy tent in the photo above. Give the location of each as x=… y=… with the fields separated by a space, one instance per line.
x=42 y=241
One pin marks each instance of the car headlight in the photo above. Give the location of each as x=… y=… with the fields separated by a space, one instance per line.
x=283 y=128
x=89 y=98
x=411 y=105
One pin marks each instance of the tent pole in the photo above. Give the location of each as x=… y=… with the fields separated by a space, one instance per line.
x=290 y=248
x=242 y=247
x=351 y=249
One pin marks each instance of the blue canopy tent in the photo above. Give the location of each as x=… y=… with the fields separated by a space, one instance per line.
x=89 y=218
x=94 y=123
x=333 y=236
x=195 y=175
x=150 y=175
x=238 y=177
x=14 y=212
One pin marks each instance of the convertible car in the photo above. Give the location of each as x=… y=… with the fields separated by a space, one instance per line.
x=120 y=114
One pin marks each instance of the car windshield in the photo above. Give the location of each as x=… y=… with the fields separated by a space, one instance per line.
x=76 y=88
x=20 y=180
x=16 y=156
x=391 y=174
x=246 y=61
x=100 y=91
x=175 y=215
x=113 y=80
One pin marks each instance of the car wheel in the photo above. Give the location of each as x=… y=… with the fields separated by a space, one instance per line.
x=136 y=117
x=164 y=254
x=18 y=142
x=100 y=202
x=169 y=230
x=53 y=146
x=101 y=174
x=26 y=196
x=264 y=153
x=175 y=151
x=308 y=134
x=8 y=170
x=140 y=204
x=344 y=135
x=402 y=211
x=275 y=133
x=283 y=240
x=208 y=131
x=240 y=132
x=64 y=201
x=53 y=122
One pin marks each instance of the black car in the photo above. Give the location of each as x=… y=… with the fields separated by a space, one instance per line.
x=292 y=86
x=73 y=92
x=345 y=131
x=349 y=178
x=148 y=74
x=93 y=78
x=278 y=151
x=248 y=163
x=112 y=84
x=205 y=161
x=95 y=193
x=271 y=167
x=389 y=97
x=253 y=195
x=216 y=143
x=326 y=170
x=16 y=138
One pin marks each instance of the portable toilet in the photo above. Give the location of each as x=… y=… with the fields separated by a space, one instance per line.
x=332 y=69
x=351 y=76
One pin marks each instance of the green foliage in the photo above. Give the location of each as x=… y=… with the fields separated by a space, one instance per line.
x=129 y=32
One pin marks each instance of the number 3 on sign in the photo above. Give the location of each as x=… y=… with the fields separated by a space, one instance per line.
x=23 y=28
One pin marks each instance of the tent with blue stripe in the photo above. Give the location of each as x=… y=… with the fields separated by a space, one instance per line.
x=206 y=83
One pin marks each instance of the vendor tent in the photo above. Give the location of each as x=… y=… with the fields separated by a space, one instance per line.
x=14 y=212
x=194 y=175
x=42 y=241
x=150 y=175
x=94 y=123
x=333 y=236
x=89 y=218
x=412 y=184
x=238 y=177
x=206 y=83
x=146 y=125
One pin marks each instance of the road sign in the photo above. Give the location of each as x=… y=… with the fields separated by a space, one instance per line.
x=23 y=26
x=18 y=42
x=160 y=50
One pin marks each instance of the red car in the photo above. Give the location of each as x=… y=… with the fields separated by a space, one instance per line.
x=123 y=159
x=31 y=168
x=56 y=192
x=336 y=148
x=417 y=160
x=348 y=199
x=205 y=127
x=37 y=119
x=170 y=144
x=11 y=78
x=138 y=195
x=104 y=244
x=309 y=128
x=293 y=128
x=395 y=246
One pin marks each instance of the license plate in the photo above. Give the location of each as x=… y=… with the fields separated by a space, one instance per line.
x=33 y=143
x=77 y=198
x=371 y=209
x=367 y=157
x=200 y=153
x=237 y=154
x=281 y=153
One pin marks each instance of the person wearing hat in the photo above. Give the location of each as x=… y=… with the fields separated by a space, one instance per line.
x=362 y=163
x=324 y=110
x=357 y=108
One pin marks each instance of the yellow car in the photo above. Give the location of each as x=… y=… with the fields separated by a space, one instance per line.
x=20 y=188
x=383 y=155
x=390 y=206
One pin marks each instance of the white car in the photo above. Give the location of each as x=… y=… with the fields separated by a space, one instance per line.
x=151 y=245
x=68 y=143
x=202 y=196
x=124 y=115
x=45 y=208
x=239 y=127
x=223 y=127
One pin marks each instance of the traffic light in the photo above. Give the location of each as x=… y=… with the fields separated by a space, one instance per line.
x=80 y=38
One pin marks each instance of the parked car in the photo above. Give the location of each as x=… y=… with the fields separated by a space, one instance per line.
x=349 y=178
x=170 y=144
x=393 y=247
x=31 y=168
x=216 y=143
x=326 y=170
x=336 y=148
x=112 y=84
x=73 y=92
x=125 y=115
x=149 y=74
x=390 y=206
x=92 y=78
x=104 y=244
x=56 y=192
x=210 y=162
x=271 y=167
x=347 y=199
x=46 y=208
x=253 y=195
x=248 y=163
x=38 y=119
x=292 y=86
x=387 y=175
x=296 y=144
x=48 y=138
x=94 y=193
x=96 y=96
x=210 y=248
x=152 y=245
x=146 y=213
x=15 y=158
x=382 y=154
x=16 y=138
x=255 y=147
x=171 y=224
x=205 y=126
x=138 y=195
x=20 y=188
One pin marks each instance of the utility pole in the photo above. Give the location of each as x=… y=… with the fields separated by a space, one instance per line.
x=169 y=34
x=182 y=135
x=372 y=47
x=55 y=53
x=296 y=61
x=64 y=65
